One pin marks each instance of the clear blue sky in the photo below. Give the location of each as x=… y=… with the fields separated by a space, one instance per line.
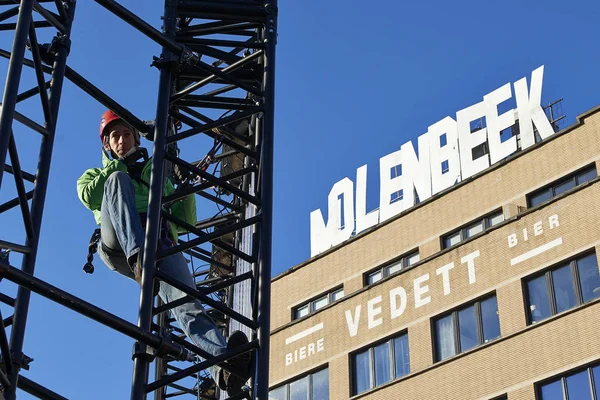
x=354 y=82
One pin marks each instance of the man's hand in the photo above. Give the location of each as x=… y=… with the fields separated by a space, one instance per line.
x=134 y=155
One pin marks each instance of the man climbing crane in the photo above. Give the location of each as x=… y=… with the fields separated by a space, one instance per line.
x=117 y=194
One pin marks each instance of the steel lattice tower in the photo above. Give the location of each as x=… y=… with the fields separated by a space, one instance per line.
x=216 y=81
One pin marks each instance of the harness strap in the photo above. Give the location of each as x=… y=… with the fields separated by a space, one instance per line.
x=92 y=248
x=164 y=242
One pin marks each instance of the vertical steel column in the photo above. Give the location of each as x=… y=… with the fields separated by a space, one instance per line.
x=39 y=197
x=141 y=361
x=13 y=77
x=266 y=195
x=37 y=205
x=160 y=366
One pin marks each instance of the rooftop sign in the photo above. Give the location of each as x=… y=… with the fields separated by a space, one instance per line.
x=445 y=158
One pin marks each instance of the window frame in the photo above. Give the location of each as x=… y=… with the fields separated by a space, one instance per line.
x=456 y=326
x=403 y=260
x=310 y=303
x=562 y=377
x=551 y=187
x=462 y=230
x=547 y=274
x=310 y=374
x=371 y=351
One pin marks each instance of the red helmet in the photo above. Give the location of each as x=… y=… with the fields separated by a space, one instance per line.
x=108 y=117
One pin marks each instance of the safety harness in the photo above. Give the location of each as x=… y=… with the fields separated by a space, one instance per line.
x=164 y=241
x=184 y=178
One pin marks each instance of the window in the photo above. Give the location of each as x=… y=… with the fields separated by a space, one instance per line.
x=382 y=272
x=466 y=327
x=563 y=287
x=380 y=364
x=561 y=186
x=314 y=386
x=318 y=303
x=472 y=229
x=578 y=385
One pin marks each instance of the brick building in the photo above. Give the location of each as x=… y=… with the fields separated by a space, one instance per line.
x=488 y=290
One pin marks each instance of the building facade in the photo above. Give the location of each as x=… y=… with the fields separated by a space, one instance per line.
x=488 y=290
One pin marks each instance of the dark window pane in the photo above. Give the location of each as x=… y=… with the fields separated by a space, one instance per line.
x=587 y=176
x=393 y=268
x=299 y=389
x=382 y=364
x=413 y=258
x=474 y=229
x=374 y=277
x=401 y=355
x=362 y=372
x=539 y=197
x=564 y=291
x=320 y=303
x=539 y=305
x=320 y=385
x=589 y=278
x=338 y=294
x=578 y=386
x=302 y=311
x=467 y=325
x=451 y=240
x=278 y=394
x=491 y=322
x=552 y=391
x=495 y=219
x=596 y=374
x=564 y=186
x=444 y=337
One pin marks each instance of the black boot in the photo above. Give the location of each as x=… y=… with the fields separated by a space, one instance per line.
x=233 y=382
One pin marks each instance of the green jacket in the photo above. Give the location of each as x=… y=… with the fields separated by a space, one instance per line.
x=90 y=189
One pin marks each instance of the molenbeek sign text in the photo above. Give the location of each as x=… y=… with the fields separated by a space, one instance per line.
x=423 y=174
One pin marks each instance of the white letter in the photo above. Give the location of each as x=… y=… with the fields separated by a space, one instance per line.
x=467 y=140
x=311 y=349
x=373 y=311
x=438 y=154
x=553 y=220
x=525 y=234
x=416 y=171
x=322 y=237
x=353 y=321
x=320 y=345
x=288 y=359
x=363 y=220
x=396 y=311
x=497 y=123
x=344 y=188
x=302 y=352
x=537 y=228
x=444 y=271
x=530 y=109
x=420 y=290
x=389 y=186
x=512 y=240
x=470 y=265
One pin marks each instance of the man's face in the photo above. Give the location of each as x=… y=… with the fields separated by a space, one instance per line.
x=120 y=139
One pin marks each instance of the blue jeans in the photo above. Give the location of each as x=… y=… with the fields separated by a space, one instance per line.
x=123 y=237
